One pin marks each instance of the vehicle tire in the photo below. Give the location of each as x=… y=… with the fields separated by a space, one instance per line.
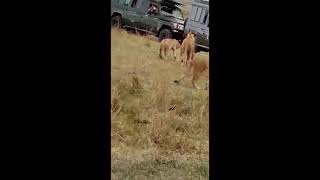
x=116 y=21
x=165 y=34
x=197 y=49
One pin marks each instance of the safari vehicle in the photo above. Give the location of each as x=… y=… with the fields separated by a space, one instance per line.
x=198 y=22
x=162 y=18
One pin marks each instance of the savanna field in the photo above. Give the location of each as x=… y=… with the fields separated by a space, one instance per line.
x=159 y=129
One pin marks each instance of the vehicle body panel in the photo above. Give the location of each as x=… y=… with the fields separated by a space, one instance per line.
x=137 y=17
x=198 y=22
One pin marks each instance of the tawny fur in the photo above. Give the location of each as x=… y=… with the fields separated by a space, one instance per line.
x=167 y=45
x=198 y=67
x=188 y=48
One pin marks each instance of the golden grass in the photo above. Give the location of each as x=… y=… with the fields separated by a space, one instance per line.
x=159 y=129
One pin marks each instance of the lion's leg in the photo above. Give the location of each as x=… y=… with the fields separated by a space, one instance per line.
x=189 y=66
x=174 y=53
x=160 y=53
x=181 y=54
x=188 y=58
x=186 y=61
x=166 y=53
x=191 y=59
x=192 y=55
x=194 y=79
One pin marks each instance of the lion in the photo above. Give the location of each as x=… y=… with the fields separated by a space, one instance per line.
x=198 y=67
x=166 y=45
x=188 y=47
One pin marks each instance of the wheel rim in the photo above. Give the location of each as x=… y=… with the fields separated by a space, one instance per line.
x=164 y=36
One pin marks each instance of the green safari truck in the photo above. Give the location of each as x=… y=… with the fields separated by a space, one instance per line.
x=162 y=18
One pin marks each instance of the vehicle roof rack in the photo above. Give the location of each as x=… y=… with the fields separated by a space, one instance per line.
x=169 y=2
x=206 y=2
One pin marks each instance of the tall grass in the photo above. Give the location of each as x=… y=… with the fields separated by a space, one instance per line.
x=159 y=129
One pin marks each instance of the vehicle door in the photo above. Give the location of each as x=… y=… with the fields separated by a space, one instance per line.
x=199 y=19
x=134 y=14
x=150 y=20
x=203 y=29
x=122 y=6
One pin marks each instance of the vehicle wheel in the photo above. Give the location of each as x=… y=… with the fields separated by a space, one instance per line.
x=116 y=21
x=165 y=34
x=197 y=49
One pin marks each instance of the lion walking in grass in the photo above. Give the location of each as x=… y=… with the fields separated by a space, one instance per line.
x=188 y=48
x=197 y=68
x=167 y=45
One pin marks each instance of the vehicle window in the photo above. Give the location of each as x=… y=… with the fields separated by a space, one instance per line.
x=134 y=2
x=167 y=11
x=204 y=15
x=153 y=9
x=124 y=2
x=177 y=13
x=198 y=14
x=139 y=3
x=145 y=4
x=193 y=12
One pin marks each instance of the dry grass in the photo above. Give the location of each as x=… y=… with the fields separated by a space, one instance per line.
x=159 y=129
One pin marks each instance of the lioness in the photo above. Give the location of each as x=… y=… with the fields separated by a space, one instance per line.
x=198 y=67
x=167 y=45
x=188 y=47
